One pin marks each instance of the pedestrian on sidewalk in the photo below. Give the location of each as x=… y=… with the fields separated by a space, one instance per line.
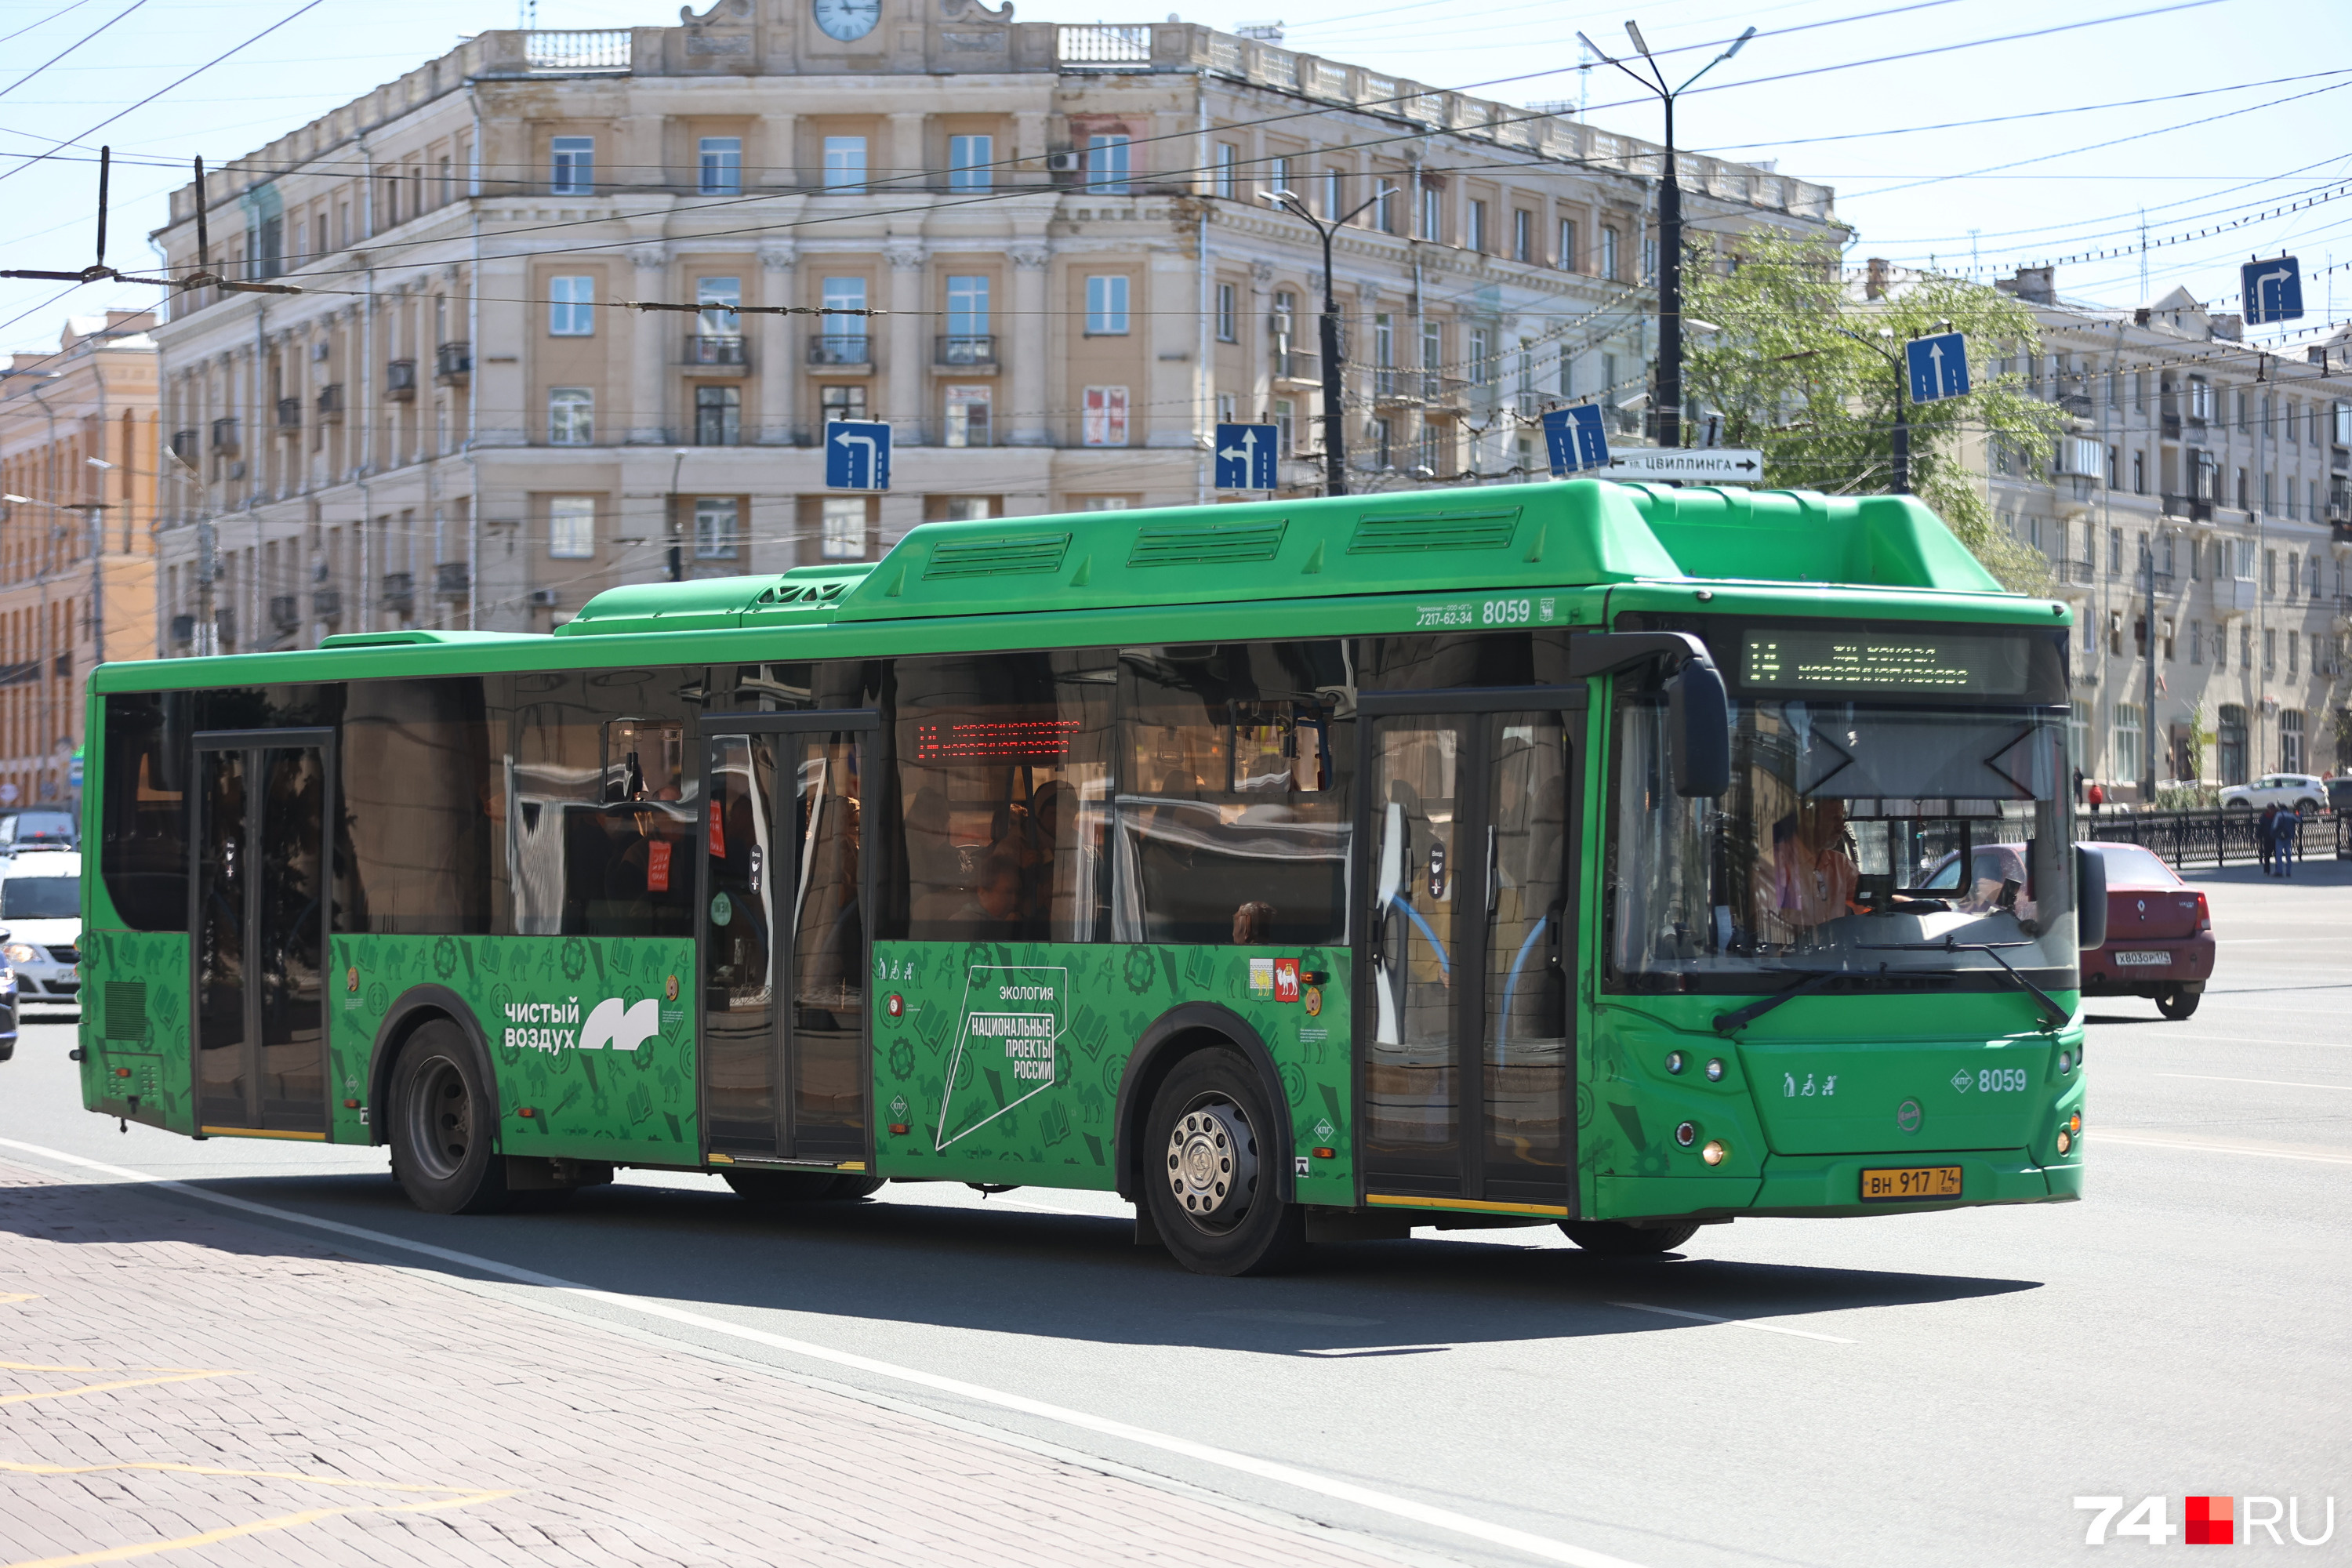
x=2098 y=798
x=2289 y=827
x=2078 y=788
x=2266 y=838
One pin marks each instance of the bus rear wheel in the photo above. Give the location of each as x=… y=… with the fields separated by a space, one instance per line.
x=1615 y=1238
x=1209 y=1174
x=445 y=1125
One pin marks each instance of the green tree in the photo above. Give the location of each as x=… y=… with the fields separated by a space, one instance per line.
x=1798 y=367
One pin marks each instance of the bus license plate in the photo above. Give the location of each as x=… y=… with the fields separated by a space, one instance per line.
x=2145 y=959
x=1895 y=1186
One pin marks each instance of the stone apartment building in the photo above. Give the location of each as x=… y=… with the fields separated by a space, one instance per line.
x=2219 y=479
x=458 y=422
x=78 y=452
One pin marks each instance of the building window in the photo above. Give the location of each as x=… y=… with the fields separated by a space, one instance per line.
x=572 y=173
x=1433 y=355
x=718 y=416
x=1228 y=313
x=972 y=163
x=1286 y=425
x=844 y=163
x=1569 y=257
x=1567 y=371
x=571 y=528
x=2078 y=734
x=842 y=400
x=845 y=335
x=1106 y=170
x=2128 y=731
x=1523 y=235
x=1478 y=235
x=719 y=299
x=1435 y=458
x=1104 y=420
x=1278 y=176
x=1102 y=503
x=965 y=509
x=1482 y=356
x=1384 y=346
x=1610 y=261
x=1105 y=305
x=1608 y=375
x=715 y=526
x=571 y=416
x=2290 y=735
x=2139 y=473
x=1381 y=434
x=841 y=525
x=968 y=327
x=1385 y=209
x=1432 y=213
x=1222 y=179
x=2270 y=650
x=572 y=307
x=1333 y=194
x=722 y=166
x=968 y=414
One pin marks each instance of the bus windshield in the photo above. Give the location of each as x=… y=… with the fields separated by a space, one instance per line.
x=1839 y=847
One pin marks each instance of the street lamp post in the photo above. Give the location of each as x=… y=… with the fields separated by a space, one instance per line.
x=1668 y=403
x=98 y=571
x=1335 y=444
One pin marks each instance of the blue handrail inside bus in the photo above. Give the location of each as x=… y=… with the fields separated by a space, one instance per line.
x=1510 y=989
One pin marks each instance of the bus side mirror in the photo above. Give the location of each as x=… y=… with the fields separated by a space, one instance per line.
x=1699 y=717
x=2090 y=899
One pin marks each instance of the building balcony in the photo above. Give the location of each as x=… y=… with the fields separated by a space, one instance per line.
x=966 y=353
x=184 y=444
x=451 y=579
x=2080 y=573
x=183 y=631
x=330 y=402
x=400 y=381
x=2190 y=507
x=841 y=350
x=2170 y=425
x=716 y=353
x=2233 y=596
x=1296 y=366
x=399 y=592
x=285 y=612
x=327 y=604
x=290 y=415
x=225 y=438
x=452 y=363
x=2077 y=404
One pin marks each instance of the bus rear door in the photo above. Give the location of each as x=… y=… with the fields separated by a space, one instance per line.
x=1467 y=1066
x=783 y=933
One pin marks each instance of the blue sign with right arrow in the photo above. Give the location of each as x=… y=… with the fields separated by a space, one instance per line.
x=1939 y=367
x=1574 y=438
x=2274 y=291
x=1246 y=454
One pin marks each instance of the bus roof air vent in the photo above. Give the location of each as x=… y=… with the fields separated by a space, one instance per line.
x=1487 y=528
x=999 y=556
x=1207 y=544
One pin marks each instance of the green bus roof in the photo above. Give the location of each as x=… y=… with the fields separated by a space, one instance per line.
x=1091 y=574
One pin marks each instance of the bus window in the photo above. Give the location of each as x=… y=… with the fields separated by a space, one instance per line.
x=1003 y=780
x=143 y=850
x=1233 y=805
x=415 y=849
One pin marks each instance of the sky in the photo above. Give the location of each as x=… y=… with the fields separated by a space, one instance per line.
x=1951 y=136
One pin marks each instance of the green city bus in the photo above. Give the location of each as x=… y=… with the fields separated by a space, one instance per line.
x=1618 y=857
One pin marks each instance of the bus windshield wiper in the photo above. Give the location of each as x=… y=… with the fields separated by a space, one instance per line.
x=1725 y=1023
x=2053 y=1014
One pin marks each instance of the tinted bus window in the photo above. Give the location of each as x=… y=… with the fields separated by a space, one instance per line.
x=417 y=775
x=143 y=846
x=1234 y=810
x=1003 y=771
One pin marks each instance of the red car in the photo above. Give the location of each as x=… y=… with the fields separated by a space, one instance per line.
x=2159 y=933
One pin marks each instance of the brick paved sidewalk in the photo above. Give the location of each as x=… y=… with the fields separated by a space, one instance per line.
x=220 y=1393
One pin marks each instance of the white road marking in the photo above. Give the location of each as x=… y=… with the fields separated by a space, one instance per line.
x=1731 y=1322
x=2105 y=1137
x=1461 y=1524
x=2265 y=1082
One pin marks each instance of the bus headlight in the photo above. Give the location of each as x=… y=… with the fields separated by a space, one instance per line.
x=2066 y=1142
x=1715 y=1154
x=21 y=952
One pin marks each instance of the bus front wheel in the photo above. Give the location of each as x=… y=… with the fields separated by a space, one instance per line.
x=1209 y=1171
x=444 y=1125
x=1615 y=1238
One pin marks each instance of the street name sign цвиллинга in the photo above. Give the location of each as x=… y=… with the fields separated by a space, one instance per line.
x=857 y=454
x=1689 y=465
x=1939 y=367
x=1246 y=454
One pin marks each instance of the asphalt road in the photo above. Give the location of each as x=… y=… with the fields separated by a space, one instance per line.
x=1907 y=1389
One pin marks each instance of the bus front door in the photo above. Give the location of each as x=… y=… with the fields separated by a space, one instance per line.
x=259 y=882
x=1469 y=1071
x=783 y=931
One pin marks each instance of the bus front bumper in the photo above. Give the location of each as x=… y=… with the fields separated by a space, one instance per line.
x=1829 y=1186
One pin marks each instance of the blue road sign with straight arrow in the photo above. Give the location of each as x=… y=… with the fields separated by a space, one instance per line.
x=1246 y=454
x=1574 y=439
x=2274 y=291
x=1939 y=367
x=857 y=454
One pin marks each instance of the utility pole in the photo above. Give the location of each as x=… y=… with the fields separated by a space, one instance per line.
x=1335 y=438
x=1668 y=402
x=97 y=509
x=669 y=510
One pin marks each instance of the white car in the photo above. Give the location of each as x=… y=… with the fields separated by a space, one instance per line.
x=2305 y=791
x=40 y=906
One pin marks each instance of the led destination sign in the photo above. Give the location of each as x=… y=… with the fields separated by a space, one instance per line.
x=1951 y=664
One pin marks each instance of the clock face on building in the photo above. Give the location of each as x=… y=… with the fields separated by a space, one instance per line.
x=846 y=19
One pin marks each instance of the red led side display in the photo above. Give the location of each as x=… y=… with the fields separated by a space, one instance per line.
x=994 y=740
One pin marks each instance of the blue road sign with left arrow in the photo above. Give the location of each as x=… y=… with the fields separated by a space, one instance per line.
x=2274 y=291
x=1939 y=367
x=1574 y=438
x=857 y=454
x=1246 y=454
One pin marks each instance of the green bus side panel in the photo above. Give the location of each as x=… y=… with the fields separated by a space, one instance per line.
x=1004 y=1061
x=535 y=998
x=134 y=1027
